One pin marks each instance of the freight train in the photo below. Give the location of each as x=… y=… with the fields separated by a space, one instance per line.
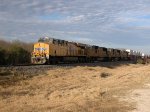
x=52 y=51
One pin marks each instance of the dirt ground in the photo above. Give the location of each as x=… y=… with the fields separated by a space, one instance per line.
x=116 y=88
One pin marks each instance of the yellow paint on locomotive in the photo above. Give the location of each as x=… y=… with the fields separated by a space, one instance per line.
x=68 y=49
x=57 y=50
x=41 y=49
x=54 y=49
x=91 y=52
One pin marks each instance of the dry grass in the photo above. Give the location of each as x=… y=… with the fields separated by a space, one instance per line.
x=75 y=89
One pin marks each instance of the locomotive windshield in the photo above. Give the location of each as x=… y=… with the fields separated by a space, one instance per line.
x=40 y=49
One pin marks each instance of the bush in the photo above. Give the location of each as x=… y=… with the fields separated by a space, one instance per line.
x=19 y=55
x=105 y=75
x=15 y=52
x=139 y=61
x=2 y=56
x=142 y=61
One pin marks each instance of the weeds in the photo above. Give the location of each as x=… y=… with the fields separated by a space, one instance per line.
x=105 y=75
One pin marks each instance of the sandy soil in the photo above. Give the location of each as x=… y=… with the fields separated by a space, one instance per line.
x=142 y=99
x=79 y=89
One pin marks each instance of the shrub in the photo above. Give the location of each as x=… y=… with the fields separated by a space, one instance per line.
x=2 y=56
x=15 y=52
x=19 y=55
x=105 y=75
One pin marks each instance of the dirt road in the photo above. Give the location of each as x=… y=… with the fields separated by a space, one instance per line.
x=77 y=89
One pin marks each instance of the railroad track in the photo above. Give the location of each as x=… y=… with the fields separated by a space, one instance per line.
x=69 y=64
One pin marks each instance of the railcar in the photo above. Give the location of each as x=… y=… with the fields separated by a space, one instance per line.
x=124 y=55
x=95 y=53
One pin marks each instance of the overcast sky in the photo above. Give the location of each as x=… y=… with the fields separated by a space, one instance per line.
x=109 y=23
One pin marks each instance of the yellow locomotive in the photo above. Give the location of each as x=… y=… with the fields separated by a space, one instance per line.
x=50 y=50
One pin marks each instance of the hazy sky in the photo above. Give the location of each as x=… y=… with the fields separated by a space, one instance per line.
x=109 y=23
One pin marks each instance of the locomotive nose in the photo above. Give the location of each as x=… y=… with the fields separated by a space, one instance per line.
x=40 y=54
